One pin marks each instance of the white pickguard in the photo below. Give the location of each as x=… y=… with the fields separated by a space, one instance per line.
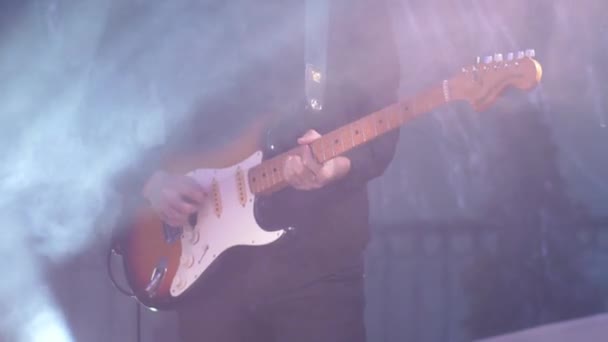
x=236 y=225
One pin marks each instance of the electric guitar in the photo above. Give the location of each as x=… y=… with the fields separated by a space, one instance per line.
x=164 y=263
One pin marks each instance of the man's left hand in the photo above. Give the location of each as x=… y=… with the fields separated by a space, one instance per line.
x=303 y=172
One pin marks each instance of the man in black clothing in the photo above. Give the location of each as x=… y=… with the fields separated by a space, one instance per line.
x=309 y=285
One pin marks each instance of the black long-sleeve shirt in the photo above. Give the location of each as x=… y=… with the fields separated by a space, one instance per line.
x=239 y=59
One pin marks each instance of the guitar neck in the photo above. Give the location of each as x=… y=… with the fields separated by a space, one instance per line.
x=267 y=177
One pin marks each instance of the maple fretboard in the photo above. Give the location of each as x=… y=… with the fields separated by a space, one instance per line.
x=267 y=177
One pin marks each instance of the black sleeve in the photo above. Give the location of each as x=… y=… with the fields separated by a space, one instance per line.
x=370 y=161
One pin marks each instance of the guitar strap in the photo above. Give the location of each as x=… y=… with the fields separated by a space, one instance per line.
x=317 y=27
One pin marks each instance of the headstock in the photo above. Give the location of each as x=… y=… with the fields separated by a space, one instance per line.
x=481 y=84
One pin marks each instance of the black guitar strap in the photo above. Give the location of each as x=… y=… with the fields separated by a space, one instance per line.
x=317 y=26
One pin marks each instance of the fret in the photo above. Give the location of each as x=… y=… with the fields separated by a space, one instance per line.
x=268 y=169
x=380 y=123
x=253 y=181
x=424 y=99
x=386 y=120
x=329 y=142
x=419 y=105
x=269 y=176
x=275 y=170
x=281 y=166
x=318 y=150
x=373 y=123
x=267 y=182
x=438 y=96
x=322 y=144
x=405 y=111
x=336 y=141
x=352 y=138
x=345 y=141
x=369 y=128
x=261 y=179
x=363 y=130
x=347 y=138
x=387 y=115
x=396 y=116
x=357 y=133
x=275 y=167
x=429 y=100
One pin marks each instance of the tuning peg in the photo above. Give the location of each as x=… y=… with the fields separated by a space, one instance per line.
x=510 y=56
x=487 y=59
x=498 y=57
x=520 y=54
x=530 y=53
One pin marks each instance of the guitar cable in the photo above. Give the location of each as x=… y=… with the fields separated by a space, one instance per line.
x=115 y=250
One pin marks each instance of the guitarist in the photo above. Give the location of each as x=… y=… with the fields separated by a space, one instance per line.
x=308 y=286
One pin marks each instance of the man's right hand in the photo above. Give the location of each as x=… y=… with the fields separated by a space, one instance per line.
x=173 y=197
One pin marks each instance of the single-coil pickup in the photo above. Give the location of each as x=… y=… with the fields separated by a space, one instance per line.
x=240 y=183
x=217 y=198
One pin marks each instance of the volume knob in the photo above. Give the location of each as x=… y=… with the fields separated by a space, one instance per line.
x=179 y=283
x=192 y=236
x=195 y=237
x=187 y=260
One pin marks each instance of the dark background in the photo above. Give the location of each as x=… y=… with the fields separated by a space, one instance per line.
x=485 y=223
